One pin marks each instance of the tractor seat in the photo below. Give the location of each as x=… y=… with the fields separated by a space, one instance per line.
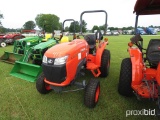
x=91 y=40
x=64 y=39
x=153 y=52
x=47 y=36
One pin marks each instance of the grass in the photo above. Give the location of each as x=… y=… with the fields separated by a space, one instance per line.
x=19 y=99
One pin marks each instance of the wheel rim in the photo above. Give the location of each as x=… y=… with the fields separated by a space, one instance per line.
x=47 y=87
x=97 y=94
x=3 y=44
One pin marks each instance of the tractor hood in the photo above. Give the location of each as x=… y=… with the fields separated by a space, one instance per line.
x=47 y=44
x=147 y=7
x=29 y=39
x=68 y=48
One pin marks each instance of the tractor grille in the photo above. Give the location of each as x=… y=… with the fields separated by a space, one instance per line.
x=54 y=73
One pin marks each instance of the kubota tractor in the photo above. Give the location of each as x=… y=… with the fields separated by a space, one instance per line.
x=29 y=66
x=140 y=74
x=64 y=62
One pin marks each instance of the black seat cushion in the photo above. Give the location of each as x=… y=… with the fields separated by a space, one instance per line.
x=91 y=40
x=153 y=52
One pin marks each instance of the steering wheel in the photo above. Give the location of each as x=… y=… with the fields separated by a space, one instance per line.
x=136 y=38
x=56 y=38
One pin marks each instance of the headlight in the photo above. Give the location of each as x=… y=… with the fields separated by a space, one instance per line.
x=44 y=59
x=61 y=60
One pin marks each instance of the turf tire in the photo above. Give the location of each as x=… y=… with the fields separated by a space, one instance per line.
x=41 y=85
x=125 y=78
x=90 y=97
x=105 y=63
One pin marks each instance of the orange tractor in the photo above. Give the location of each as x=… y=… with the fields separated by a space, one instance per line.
x=140 y=74
x=64 y=62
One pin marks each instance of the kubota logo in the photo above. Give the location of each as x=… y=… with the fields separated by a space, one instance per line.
x=50 y=61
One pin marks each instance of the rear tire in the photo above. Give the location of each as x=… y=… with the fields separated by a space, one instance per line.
x=105 y=63
x=41 y=86
x=125 y=78
x=92 y=92
x=3 y=44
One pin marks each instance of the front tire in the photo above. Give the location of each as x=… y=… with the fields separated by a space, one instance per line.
x=3 y=44
x=125 y=79
x=92 y=92
x=41 y=86
x=105 y=63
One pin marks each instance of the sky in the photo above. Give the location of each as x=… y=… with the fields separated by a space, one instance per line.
x=120 y=12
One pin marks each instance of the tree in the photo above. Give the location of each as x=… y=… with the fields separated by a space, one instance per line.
x=95 y=27
x=102 y=27
x=84 y=26
x=60 y=26
x=2 y=29
x=29 y=25
x=66 y=29
x=151 y=26
x=111 y=28
x=50 y=21
x=1 y=17
x=77 y=27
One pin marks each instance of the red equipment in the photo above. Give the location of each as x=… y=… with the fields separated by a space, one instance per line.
x=9 y=38
x=140 y=74
x=64 y=62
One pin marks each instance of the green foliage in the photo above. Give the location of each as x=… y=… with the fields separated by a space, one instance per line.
x=29 y=25
x=102 y=27
x=113 y=28
x=77 y=27
x=50 y=21
x=128 y=28
x=95 y=27
x=60 y=26
x=2 y=29
x=84 y=26
x=1 y=16
x=66 y=29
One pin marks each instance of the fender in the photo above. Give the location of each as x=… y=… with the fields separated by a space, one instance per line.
x=137 y=65
x=158 y=74
x=99 y=52
x=79 y=67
